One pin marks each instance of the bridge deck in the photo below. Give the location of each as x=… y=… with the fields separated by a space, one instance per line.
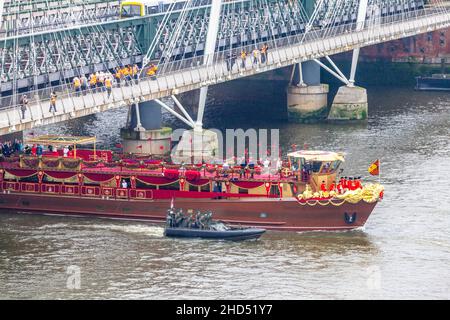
x=187 y=75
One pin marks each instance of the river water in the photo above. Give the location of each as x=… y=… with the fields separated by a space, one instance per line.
x=403 y=252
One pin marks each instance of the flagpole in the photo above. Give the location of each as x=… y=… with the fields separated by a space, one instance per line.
x=379 y=171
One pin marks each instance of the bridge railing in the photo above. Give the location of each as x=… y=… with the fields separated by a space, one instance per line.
x=312 y=35
x=219 y=58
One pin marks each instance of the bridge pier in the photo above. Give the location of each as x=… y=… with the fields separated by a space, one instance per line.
x=307 y=98
x=350 y=103
x=144 y=133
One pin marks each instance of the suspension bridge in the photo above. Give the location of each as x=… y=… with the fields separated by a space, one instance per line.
x=194 y=44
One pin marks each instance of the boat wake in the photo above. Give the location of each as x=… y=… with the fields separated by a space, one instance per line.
x=148 y=230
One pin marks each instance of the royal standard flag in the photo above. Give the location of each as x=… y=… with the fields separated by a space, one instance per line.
x=374 y=168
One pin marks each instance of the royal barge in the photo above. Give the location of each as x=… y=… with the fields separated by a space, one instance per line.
x=299 y=196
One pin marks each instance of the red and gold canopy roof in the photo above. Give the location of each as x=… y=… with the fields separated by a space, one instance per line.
x=61 y=140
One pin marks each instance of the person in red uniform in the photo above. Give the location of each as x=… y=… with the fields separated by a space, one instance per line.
x=354 y=184
x=351 y=184
x=357 y=183
x=340 y=186
x=332 y=187
x=344 y=183
x=33 y=150
x=323 y=186
x=70 y=154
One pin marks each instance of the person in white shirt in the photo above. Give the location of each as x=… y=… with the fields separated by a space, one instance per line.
x=124 y=184
x=66 y=151
x=266 y=165
x=279 y=164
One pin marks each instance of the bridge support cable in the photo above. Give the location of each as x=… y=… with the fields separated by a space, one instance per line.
x=139 y=126
x=108 y=53
x=151 y=49
x=210 y=45
x=343 y=79
x=360 y=22
x=291 y=79
x=319 y=5
x=176 y=114
x=172 y=54
x=183 y=110
x=331 y=16
x=63 y=59
x=33 y=58
x=176 y=35
x=272 y=24
x=300 y=73
x=2 y=2
x=336 y=68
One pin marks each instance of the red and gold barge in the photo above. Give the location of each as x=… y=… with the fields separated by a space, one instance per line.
x=288 y=199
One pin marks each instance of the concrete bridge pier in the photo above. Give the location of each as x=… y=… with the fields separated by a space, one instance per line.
x=307 y=98
x=144 y=133
x=350 y=103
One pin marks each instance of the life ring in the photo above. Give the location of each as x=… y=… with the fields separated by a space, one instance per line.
x=286 y=172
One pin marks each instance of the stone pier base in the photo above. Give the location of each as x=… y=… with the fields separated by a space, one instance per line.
x=308 y=103
x=152 y=142
x=349 y=104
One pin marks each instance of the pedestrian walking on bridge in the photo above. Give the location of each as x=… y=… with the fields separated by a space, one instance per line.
x=256 y=54
x=135 y=73
x=77 y=85
x=93 y=81
x=23 y=105
x=264 y=49
x=52 y=102
x=108 y=85
x=243 y=58
x=84 y=84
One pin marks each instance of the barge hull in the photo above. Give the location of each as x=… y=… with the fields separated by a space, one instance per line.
x=269 y=213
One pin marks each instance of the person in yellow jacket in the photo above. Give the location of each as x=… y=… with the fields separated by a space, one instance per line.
x=130 y=73
x=93 y=81
x=126 y=73
x=118 y=76
x=108 y=86
x=243 y=58
x=77 y=85
x=151 y=72
x=255 y=54
x=100 y=80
